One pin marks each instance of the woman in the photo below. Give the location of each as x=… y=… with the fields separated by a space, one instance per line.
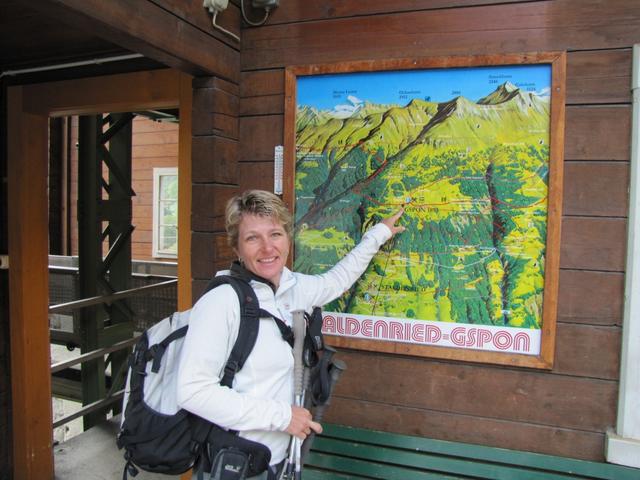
x=260 y=405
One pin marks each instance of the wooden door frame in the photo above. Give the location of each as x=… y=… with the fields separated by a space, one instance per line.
x=28 y=110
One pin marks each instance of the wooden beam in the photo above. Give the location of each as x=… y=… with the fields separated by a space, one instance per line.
x=113 y=93
x=314 y=10
x=28 y=289
x=147 y=28
x=184 y=193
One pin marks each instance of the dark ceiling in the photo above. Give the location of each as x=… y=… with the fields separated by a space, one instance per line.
x=29 y=39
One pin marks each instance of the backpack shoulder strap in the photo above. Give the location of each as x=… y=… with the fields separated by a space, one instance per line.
x=249 y=325
x=250 y=314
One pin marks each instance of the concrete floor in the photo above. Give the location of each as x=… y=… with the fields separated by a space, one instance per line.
x=93 y=455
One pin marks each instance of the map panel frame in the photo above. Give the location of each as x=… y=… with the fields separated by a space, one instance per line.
x=479 y=176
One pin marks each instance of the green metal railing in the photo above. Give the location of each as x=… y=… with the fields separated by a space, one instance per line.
x=114 y=394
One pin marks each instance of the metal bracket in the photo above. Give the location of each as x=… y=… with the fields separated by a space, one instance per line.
x=4 y=262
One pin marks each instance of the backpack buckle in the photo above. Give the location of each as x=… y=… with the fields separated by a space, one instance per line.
x=231 y=368
x=251 y=310
x=195 y=448
x=156 y=352
x=138 y=356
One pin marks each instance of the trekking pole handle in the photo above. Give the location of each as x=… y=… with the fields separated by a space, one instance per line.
x=338 y=368
x=299 y=330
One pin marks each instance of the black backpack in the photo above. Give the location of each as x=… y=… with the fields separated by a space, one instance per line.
x=159 y=437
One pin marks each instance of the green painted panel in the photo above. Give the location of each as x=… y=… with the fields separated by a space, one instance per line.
x=436 y=463
x=311 y=473
x=471 y=461
x=371 y=470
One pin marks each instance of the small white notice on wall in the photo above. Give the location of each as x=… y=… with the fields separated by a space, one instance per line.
x=278 y=165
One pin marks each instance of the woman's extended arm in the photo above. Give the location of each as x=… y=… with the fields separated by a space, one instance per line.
x=321 y=289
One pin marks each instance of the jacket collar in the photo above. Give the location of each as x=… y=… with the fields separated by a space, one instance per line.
x=238 y=270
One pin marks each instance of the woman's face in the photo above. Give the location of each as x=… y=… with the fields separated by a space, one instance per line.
x=263 y=246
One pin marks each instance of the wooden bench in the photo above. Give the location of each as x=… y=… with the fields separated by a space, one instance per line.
x=347 y=453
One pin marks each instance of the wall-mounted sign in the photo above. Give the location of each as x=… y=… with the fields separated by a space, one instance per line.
x=471 y=147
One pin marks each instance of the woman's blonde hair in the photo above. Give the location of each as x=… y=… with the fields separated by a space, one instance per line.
x=255 y=202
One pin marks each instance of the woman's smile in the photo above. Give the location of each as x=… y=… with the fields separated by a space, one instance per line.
x=263 y=246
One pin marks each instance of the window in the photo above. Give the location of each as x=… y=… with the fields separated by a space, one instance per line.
x=165 y=212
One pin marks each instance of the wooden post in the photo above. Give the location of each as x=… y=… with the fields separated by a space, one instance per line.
x=184 y=193
x=28 y=289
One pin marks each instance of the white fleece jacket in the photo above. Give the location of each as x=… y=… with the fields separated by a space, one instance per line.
x=259 y=405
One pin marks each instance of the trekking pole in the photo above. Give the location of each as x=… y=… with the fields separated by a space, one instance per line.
x=336 y=370
x=299 y=329
x=293 y=466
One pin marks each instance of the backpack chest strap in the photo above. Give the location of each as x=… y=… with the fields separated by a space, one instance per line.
x=285 y=330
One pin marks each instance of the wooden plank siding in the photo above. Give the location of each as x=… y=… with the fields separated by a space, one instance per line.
x=485 y=29
x=567 y=410
x=215 y=175
x=154 y=145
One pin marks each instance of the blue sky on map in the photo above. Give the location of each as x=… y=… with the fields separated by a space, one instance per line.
x=346 y=90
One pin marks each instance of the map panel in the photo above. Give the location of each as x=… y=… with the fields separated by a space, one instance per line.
x=465 y=151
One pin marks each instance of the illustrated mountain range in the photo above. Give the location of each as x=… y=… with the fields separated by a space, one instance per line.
x=472 y=177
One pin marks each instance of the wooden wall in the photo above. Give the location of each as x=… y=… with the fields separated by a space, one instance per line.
x=216 y=174
x=565 y=411
x=155 y=145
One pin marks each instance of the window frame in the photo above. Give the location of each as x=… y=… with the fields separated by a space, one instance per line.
x=158 y=173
